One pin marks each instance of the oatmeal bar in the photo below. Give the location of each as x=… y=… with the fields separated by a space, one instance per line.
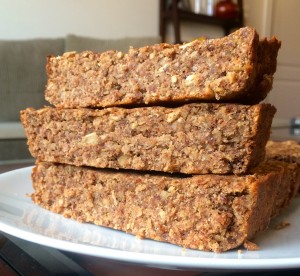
x=192 y=139
x=287 y=151
x=236 y=68
x=206 y=212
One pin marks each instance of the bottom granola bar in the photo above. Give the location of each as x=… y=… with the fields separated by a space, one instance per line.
x=206 y=212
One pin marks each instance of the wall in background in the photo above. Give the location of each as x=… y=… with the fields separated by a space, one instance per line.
x=254 y=15
x=95 y=18
x=285 y=23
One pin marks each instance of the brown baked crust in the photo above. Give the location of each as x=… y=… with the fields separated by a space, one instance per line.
x=287 y=151
x=289 y=185
x=191 y=139
x=206 y=212
x=236 y=68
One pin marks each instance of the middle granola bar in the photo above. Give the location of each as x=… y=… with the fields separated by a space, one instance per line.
x=193 y=138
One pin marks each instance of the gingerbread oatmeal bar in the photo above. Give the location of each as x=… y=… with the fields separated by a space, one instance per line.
x=205 y=212
x=191 y=139
x=236 y=68
x=287 y=151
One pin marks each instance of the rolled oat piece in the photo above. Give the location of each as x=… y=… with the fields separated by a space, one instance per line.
x=205 y=212
x=235 y=68
x=192 y=139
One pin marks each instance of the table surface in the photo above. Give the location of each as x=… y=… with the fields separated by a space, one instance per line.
x=20 y=257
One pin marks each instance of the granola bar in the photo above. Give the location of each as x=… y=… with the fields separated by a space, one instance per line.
x=205 y=212
x=235 y=68
x=191 y=139
x=287 y=151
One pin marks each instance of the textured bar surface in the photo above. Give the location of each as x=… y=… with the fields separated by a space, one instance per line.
x=236 y=68
x=192 y=139
x=206 y=212
x=287 y=151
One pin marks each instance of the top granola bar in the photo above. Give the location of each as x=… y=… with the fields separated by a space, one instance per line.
x=236 y=68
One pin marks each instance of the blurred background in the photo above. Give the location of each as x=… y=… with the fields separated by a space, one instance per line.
x=32 y=29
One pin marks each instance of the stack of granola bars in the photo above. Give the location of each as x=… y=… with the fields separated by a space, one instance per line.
x=165 y=142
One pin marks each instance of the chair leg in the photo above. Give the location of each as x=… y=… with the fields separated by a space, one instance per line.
x=175 y=19
x=162 y=20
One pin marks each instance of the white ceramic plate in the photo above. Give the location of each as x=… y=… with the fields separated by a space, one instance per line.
x=21 y=218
